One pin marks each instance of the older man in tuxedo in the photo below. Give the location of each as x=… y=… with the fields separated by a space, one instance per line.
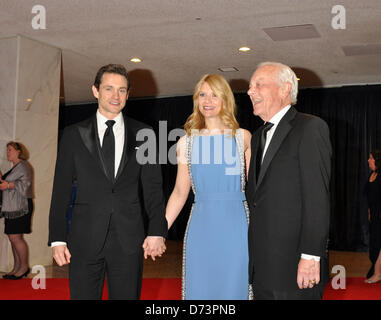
x=107 y=227
x=287 y=191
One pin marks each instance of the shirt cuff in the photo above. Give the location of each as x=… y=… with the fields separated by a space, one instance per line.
x=309 y=257
x=58 y=243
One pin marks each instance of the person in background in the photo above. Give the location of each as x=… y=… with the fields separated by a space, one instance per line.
x=17 y=208
x=215 y=260
x=373 y=192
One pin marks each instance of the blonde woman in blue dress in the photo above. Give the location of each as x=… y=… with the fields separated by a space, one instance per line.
x=213 y=158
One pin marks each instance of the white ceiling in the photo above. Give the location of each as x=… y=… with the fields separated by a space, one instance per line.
x=180 y=40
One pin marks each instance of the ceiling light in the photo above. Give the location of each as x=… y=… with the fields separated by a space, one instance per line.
x=136 y=60
x=29 y=100
x=244 y=49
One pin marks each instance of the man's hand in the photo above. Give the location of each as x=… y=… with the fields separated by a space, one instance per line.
x=61 y=255
x=153 y=246
x=308 y=273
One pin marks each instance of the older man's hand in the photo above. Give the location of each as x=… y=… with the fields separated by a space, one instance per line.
x=308 y=273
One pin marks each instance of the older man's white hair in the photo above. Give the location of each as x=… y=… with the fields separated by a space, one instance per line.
x=284 y=74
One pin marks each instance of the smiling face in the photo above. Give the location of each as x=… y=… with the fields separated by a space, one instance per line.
x=266 y=95
x=209 y=104
x=112 y=94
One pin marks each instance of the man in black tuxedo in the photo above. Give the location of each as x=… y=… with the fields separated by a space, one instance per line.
x=107 y=227
x=287 y=191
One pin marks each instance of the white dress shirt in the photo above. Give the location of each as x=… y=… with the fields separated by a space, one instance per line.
x=118 y=129
x=275 y=120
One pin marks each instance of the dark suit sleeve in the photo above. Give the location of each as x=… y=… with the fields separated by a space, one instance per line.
x=315 y=172
x=62 y=187
x=151 y=180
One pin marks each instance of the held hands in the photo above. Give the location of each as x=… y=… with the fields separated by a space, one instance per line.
x=153 y=246
x=308 y=273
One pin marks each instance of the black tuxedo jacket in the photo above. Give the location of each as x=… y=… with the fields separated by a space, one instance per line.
x=289 y=205
x=99 y=197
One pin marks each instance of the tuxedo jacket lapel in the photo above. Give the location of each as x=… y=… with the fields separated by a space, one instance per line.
x=280 y=134
x=253 y=165
x=129 y=146
x=88 y=131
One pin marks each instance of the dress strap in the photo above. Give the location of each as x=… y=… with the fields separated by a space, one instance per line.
x=240 y=148
x=189 y=147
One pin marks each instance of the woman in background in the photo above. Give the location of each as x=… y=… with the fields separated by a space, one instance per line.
x=373 y=191
x=212 y=159
x=17 y=208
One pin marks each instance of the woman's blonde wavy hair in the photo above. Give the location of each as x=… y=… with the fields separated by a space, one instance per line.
x=222 y=90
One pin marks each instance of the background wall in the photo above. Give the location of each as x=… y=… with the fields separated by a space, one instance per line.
x=29 y=108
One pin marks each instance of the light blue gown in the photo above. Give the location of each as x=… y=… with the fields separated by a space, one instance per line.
x=215 y=257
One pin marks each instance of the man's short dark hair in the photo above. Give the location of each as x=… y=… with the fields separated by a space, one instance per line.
x=111 y=68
